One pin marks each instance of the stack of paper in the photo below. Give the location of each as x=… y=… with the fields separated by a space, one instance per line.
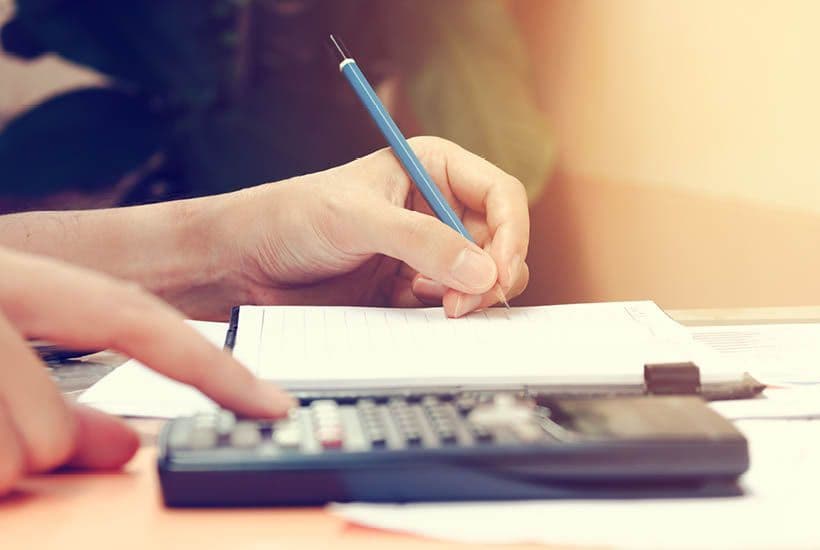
x=135 y=390
x=337 y=347
x=785 y=353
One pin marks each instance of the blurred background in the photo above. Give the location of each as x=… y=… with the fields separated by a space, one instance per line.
x=669 y=149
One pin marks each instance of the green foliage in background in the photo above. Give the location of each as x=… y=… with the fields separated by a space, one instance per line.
x=475 y=88
x=223 y=94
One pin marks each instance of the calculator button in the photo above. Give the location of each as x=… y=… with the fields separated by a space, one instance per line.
x=408 y=425
x=179 y=437
x=373 y=428
x=245 y=435
x=203 y=432
x=265 y=428
x=408 y=428
x=326 y=414
x=480 y=433
x=328 y=428
x=225 y=422
x=330 y=440
x=287 y=436
x=465 y=404
x=442 y=427
x=327 y=424
x=203 y=437
x=372 y=425
x=377 y=439
x=528 y=431
x=447 y=436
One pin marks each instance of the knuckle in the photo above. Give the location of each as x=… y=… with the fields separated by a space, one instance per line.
x=428 y=141
x=517 y=184
x=428 y=145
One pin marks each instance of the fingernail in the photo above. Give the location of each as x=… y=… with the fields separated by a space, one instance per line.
x=513 y=270
x=429 y=288
x=465 y=303
x=474 y=270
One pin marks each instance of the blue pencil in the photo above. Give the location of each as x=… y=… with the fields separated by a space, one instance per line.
x=429 y=190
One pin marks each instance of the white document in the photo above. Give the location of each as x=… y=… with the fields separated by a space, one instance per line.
x=779 y=353
x=778 y=511
x=337 y=347
x=330 y=347
x=135 y=390
x=786 y=402
x=770 y=352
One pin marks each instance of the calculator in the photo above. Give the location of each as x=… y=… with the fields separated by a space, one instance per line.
x=456 y=447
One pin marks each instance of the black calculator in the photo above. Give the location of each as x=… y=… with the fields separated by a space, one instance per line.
x=468 y=446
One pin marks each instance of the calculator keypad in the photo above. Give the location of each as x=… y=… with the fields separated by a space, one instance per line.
x=362 y=425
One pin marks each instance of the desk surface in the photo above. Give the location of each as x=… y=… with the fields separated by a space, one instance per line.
x=123 y=509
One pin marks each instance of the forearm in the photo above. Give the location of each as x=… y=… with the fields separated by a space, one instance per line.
x=167 y=248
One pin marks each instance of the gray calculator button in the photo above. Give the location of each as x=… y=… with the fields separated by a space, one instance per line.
x=225 y=422
x=377 y=439
x=480 y=433
x=179 y=436
x=245 y=435
x=203 y=437
x=287 y=435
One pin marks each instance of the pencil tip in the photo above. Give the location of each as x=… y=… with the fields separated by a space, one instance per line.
x=338 y=48
x=501 y=297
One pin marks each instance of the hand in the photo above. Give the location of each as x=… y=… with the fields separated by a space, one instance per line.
x=362 y=234
x=39 y=430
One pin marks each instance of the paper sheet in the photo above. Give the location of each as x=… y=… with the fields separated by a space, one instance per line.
x=768 y=351
x=778 y=511
x=135 y=390
x=788 y=402
x=337 y=347
x=780 y=353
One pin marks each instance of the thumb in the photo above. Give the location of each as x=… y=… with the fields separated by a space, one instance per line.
x=431 y=248
x=103 y=442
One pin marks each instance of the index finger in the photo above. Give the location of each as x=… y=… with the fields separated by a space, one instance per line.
x=86 y=309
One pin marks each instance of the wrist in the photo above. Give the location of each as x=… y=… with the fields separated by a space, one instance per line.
x=200 y=273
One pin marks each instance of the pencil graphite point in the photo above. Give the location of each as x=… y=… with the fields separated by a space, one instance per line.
x=338 y=48
x=501 y=297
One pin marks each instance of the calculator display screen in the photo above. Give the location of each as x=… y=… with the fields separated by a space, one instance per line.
x=629 y=418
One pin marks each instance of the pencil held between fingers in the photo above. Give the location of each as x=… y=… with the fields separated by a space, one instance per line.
x=435 y=191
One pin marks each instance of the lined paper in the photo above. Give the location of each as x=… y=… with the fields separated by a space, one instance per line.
x=333 y=347
x=773 y=353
